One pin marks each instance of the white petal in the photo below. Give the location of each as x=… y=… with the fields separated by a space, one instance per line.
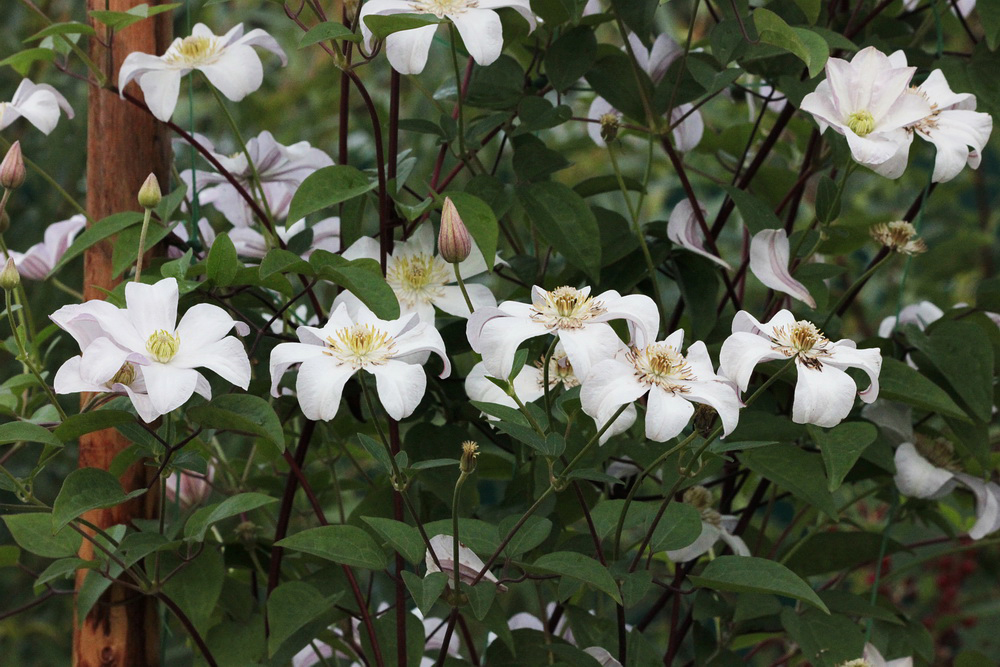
x=987 y=505
x=638 y=310
x=598 y=108
x=203 y=324
x=720 y=395
x=262 y=39
x=708 y=537
x=687 y=135
x=407 y=49
x=741 y=353
x=160 y=90
x=822 y=397
x=869 y=360
x=69 y=381
x=611 y=385
x=169 y=387
x=916 y=477
x=735 y=543
x=666 y=414
x=588 y=346
x=102 y=360
x=481 y=32
x=400 y=387
x=285 y=355
x=319 y=386
x=152 y=307
x=522 y=7
x=452 y=301
x=602 y=656
x=227 y=357
x=423 y=338
x=769 y=255
x=237 y=72
x=495 y=335
x=683 y=229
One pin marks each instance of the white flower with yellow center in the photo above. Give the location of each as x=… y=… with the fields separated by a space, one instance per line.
x=228 y=61
x=866 y=100
x=577 y=319
x=871 y=657
x=38 y=261
x=670 y=380
x=330 y=355
x=824 y=393
x=39 y=104
x=142 y=350
x=714 y=527
x=476 y=21
x=422 y=280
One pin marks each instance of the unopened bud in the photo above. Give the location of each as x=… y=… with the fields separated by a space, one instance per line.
x=610 y=123
x=12 y=168
x=698 y=497
x=470 y=452
x=704 y=419
x=454 y=243
x=149 y=193
x=9 y=277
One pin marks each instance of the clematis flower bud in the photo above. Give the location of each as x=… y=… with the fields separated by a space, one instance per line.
x=149 y=193
x=610 y=124
x=454 y=242
x=470 y=452
x=9 y=277
x=12 y=168
x=186 y=488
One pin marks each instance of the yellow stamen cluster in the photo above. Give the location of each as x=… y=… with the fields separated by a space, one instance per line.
x=193 y=50
x=163 y=345
x=660 y=364
x=360 y=345
x=803 y=340
x=441 y=8
x=560 y=372
x=610 y=124
x=417 y=278
x=899 y=236
x=938 y=451
x=862 y=123
x=565 y=308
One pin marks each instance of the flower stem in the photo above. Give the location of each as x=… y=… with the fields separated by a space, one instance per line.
x=462 y=152
x=142 y=244
x=456 y=570
x=26 y=359
x=461 y=286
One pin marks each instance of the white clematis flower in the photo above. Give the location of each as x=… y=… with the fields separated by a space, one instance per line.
x=469 y=564
x=144 y=341
x=866 y=100
x=529 y=384
x=824 y=393
x=38 y=261
x=248 y=242
x=579 y=320
x=672 y=382
x=227 y=61
x=683 y=229
x=331 y=355
x=655 y=62
x=476 y=21
x=281 y=169
x=421 y=279
x=38 y=103
x=769 y=255
x=872 y=658
x=714 y=527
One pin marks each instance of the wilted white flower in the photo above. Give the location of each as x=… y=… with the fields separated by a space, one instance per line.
x=579 y=320
x=866 y=100
x=899 y=236
x=824 y=393
x=476 y=21
x=670 y=380
x=38 y=261
x=281 y=169
x=331 y=355
x=228 y=62
x=684 y=230
x=469 y=564
x=39 y=104
x=769 y=255
x=655 y=62
x=421 y=279
x=714 y=527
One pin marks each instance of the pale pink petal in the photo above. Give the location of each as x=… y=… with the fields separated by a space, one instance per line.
x=769 y=255
x=683 y=229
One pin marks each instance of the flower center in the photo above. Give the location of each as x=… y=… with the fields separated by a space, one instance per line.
x=899 y=236
x=803 y=340
x=193 y=50
x=163 y=346
x=565 y=308
x=360 y=345
x=125 y=375
x=938 y=451
x=861 y=122
x=660 y=364
x=560 y=372
x=440 y=8
x=417 y=278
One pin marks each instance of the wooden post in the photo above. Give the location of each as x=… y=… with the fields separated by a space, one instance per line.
x=124 y=144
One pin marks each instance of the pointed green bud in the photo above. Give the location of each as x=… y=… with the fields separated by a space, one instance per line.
x=454 y=243
x=149 y=193
x=12 y=168
x=9 y=277
x=470 y=454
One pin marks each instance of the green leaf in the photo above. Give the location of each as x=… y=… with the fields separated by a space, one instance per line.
x=33 y=532
x=834 y=552
x=69 y=28
x=534 y=531
x=809 y=47
x=989 y=19
x=756 y=214
x=86 y=489
x=101 y=230
x=377 y=451
x=326 y=187
x=570 y=56
x=88 y=422
x=579 y=567
x=479 y=536
x=362 y=277
x=963 y=354
x=279 y=260
x=747 y=574
x=241 y=413
x=679 y=527
x=382 y=26
x=425 y=590
x=403 y=538
x=119 y=20
x=795 y=470
x=899 y=382
x=196 y=587
x=204 y=517
x=565 y=220
x=611 y=77
x=328 y=30
x=841 y=448
x=480 y=598
x=481 y=222
x=9 y=555
x=347 y=545
x=290 y=607
x=810 y=8
x=22 y=60
x=222 y=263
x=27 y=432
x=126 y=246
x=827 y=200
x=826 y=640
x=62 y=568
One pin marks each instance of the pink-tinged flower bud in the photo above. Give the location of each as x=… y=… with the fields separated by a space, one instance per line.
x=189 y=489
x=454 y=242
x=149 y=193
x=9 y=277
x=12 y=168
